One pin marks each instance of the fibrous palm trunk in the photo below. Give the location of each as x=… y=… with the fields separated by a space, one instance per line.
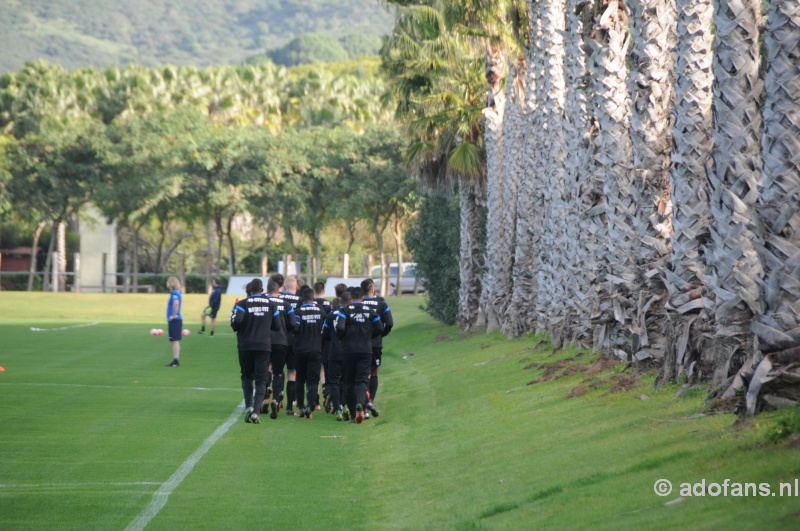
x=469 y=294
x=498 y=245
x=691 y=155
x=613 y=166
x=551 y=302
x=736 y=270
x=583 y=191
x=778 y=328
x=513 y=133
x=651 y=86
x=519 y=313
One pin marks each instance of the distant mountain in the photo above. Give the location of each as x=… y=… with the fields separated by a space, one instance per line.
x=152 y=32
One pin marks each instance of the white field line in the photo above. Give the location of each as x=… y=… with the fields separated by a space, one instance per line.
x=74 y=485
x=162 y=494
x=37 y=384
x=63 y=327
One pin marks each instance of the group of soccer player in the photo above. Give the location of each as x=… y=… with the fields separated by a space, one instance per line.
x=291 y=338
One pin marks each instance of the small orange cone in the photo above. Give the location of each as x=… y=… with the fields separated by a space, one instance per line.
x=2 y=369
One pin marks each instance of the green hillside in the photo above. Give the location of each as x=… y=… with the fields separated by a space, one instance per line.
x=151 y=32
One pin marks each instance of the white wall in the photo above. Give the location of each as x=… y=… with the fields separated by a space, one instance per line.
x=96 y=238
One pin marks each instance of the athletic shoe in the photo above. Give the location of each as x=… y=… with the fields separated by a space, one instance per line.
x=317 y=407
x=328 y=404
x=346 y=413
x=248 y=415
x=372 y=409
x=366 y=415
x=265 y=406
x=273 y=409
x=359 y=414
x=268 y=396
x=289 y=412
x=307 y=413
x=339 y=415
x=254 y=418
x=174 y=363
x=200 y=332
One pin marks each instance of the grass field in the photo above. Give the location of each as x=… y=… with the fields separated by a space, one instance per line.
x=94 y=425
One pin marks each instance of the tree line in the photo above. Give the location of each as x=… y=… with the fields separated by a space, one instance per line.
x=637 y=167
x=175 y=154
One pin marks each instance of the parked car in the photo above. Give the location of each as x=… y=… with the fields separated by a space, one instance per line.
x=407 y=279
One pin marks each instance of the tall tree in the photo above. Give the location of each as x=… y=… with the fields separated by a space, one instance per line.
x=735 y=268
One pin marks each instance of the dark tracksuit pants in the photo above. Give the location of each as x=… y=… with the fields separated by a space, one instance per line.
x=356 y=376
x=254 y=365
x=280 y=353
x=308 y=369
x=333 y=381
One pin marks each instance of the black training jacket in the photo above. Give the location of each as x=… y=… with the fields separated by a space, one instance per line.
x=252 y=319
x=380 y=307
x=356 y=325
x=292 y=301
x=309 y=330
x=324 y=305
x=329 y=336
x=286 y=322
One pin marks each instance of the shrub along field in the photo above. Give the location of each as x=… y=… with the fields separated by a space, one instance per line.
x=475 y=432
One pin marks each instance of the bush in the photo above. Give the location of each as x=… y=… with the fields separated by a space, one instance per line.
x=19 y=282
x=433 y=241
x=785 y=427
x=309 y=48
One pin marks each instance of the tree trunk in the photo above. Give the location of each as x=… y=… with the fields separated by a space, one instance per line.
x=691 y=156
x=48 y=265
x=381 y=258
x=231 y=248
x=162 y=231
x=651 y=87
x=62 y=256
x=398 y=242
x=493 y=116
x=777 y=328
x=582 y=194
x=736 y=270
x=470 y=264
x=136 y=258
x=529 y=214
x=613 y=164
x=210 y=262
x=34 y=253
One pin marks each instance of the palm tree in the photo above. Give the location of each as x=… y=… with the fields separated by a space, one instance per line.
x=735 y=269
x=620 y=245
x=777 y=327
x=436 y=79
x=691 y=155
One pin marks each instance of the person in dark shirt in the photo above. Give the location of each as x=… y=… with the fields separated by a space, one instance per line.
x=289 y=294
x=333 y=372
x=252 y=319
x=356 y=325
x=214 y=302
x=381 y=307
x=308 y=351
x=324 y=305
x=280 y=346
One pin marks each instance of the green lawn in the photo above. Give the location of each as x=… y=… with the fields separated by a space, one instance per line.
x=93 y=425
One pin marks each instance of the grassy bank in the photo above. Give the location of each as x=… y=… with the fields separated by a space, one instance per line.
x=475 y=432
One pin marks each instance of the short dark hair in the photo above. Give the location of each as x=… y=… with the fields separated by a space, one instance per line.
x=215 y=281
x=249 y=289
x=319 y=287
x=357 y=293
x=340 y=288
x=367 y=284
x=278 y=279
x=307 y=294
x=346 y=298
x=272 y=286
x=256 y=285
x=336 y=302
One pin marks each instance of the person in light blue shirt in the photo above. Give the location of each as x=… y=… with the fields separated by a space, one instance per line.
x=174 y=319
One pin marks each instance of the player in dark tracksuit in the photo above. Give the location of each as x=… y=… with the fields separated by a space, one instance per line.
x=214 y=302
x=252 y=319
x=308 y=351
x=333 y=371
x=356 y=325
x=280 y=346
x=324 y=305
x=381 y=307
x=288 y=294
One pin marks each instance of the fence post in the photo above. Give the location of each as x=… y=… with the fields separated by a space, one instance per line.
x=346 y=266
x=76 y=283
x=127 y=271
x=103 y=273
x=54 y=273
